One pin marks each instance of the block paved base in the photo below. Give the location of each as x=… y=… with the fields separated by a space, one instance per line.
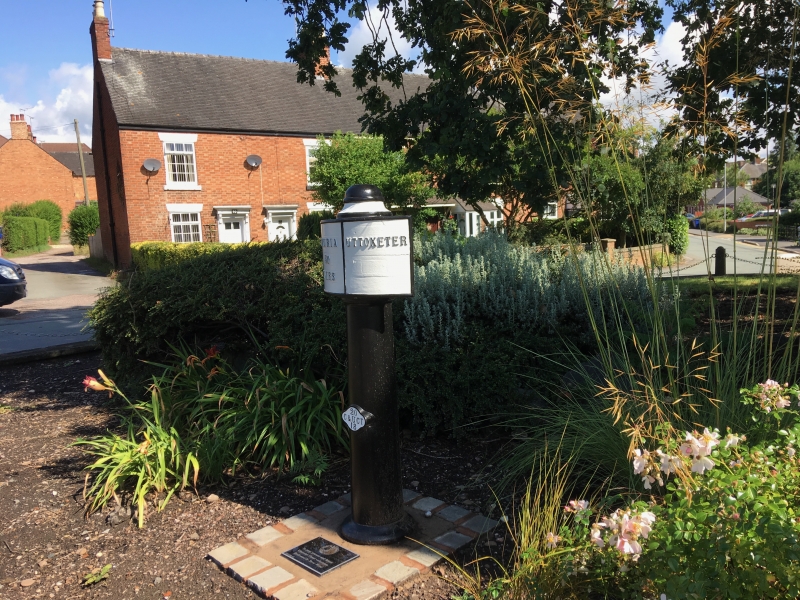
x=256 y=558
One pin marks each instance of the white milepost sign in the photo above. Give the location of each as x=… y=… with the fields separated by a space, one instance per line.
x=333 y=257
x=368 y=257
x=353 y=419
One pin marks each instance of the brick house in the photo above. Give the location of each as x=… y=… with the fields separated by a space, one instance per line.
x=227 y=142
x=31 y=171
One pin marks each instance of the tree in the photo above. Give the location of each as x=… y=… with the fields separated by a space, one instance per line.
x=734 y=82
x=350 y=159
x=789 y=173
x=512 y=87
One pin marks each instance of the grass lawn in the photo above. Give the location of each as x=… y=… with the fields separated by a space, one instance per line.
x=699 y=285
x=28 y=252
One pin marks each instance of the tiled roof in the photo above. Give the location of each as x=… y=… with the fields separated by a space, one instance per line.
x=754 y=171
x=726 y=196
x=196 y=92
x=72 y=161
x=64 y=147
x=3 y=140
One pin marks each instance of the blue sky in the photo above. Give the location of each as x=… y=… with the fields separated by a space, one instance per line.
x=45 y=52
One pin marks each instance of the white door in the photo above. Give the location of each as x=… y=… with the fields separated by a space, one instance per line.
x=281 y=226
x=231 y=231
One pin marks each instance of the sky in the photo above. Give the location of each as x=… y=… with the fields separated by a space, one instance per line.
x=45 y=49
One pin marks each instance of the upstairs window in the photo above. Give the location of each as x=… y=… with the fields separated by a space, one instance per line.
x=180 y=161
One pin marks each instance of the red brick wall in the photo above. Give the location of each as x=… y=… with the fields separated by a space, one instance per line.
x=108 y=175
x=77 y=186
x=221 y=172
x=28 y=173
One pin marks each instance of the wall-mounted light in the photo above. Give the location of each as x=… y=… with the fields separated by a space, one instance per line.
x=151 y=166
x=253 y=161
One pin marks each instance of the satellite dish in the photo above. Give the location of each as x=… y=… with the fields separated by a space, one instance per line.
x=253 y=161
x=151 y=165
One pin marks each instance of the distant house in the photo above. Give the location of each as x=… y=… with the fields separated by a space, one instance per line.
x=192 y=147
x=726 y=197
x=750 y=172
x=30 y=171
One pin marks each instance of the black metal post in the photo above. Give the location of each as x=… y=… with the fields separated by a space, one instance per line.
x=719 y=261
x=377 y=491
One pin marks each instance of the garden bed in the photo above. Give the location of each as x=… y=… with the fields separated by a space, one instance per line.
x=46 y=542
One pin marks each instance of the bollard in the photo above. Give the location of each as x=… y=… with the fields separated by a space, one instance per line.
x=367 y=260
x=719 y=261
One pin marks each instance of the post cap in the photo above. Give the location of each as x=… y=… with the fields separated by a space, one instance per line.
x=363 y=199
x=363 y=193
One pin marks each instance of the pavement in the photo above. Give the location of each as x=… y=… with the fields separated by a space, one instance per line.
x=271 y=560
x=744 y=256
x=51 y=320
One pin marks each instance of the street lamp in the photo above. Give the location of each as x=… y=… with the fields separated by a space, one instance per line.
x=773 y=196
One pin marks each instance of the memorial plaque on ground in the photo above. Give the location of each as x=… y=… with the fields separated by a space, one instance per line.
x=319 y=556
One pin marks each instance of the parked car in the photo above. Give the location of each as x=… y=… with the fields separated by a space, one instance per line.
x=763 y=214
x=13 y=286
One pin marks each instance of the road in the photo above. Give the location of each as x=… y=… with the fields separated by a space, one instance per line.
x=61 y=288
x=748 y=250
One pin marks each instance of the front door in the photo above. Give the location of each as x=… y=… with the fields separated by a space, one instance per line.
x=281 y=226
x=231 y=231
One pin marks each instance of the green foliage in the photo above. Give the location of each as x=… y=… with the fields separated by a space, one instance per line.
x=50 y=212
x=151 y=256
x=677 y=227
x=23 y=233
x=83 y=221
x=271 y=291
x=96 y=576
x=309 y=228
x=206 y=417
x=350 y=159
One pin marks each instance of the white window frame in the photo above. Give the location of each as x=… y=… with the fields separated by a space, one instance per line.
x=180 y=138
x=316 y=207
x=185 y=209
x=495 y=219
x=550 y=211
x=309 y=145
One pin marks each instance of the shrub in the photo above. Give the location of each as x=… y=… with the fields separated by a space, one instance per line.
x=24 y=233
x=83 y=222
x=308 y=228
x=269 y=291
x=150 y=256
x=50 y=212
x=677 y=227
x=205 y=416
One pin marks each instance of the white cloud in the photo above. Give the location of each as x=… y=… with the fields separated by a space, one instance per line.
x=385 y=29
x=68 y=96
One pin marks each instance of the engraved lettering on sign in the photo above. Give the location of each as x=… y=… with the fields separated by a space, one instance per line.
x=330 y=275
x=329 y=243
x=380 y=242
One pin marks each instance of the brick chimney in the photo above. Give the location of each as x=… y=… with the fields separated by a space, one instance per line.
x=101 y=39
x=323 y=60
x=20 y=130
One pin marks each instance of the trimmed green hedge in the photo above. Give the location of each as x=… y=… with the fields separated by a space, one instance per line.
x=50 y=212
x=23 y=233
x=151 y=256
x=83 y=222
x=41 y=209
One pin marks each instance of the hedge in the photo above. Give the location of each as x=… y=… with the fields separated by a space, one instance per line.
x=452 y=367
x=83 y=222
x=678 y=228
x=24 y=233
x=151 y=256
x=50 y=212
x=309 y=227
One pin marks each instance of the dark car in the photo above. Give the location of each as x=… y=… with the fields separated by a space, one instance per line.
x=13 y=286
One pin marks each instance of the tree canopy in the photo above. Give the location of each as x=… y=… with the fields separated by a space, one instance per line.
x=350 y=159
x=512 y=87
